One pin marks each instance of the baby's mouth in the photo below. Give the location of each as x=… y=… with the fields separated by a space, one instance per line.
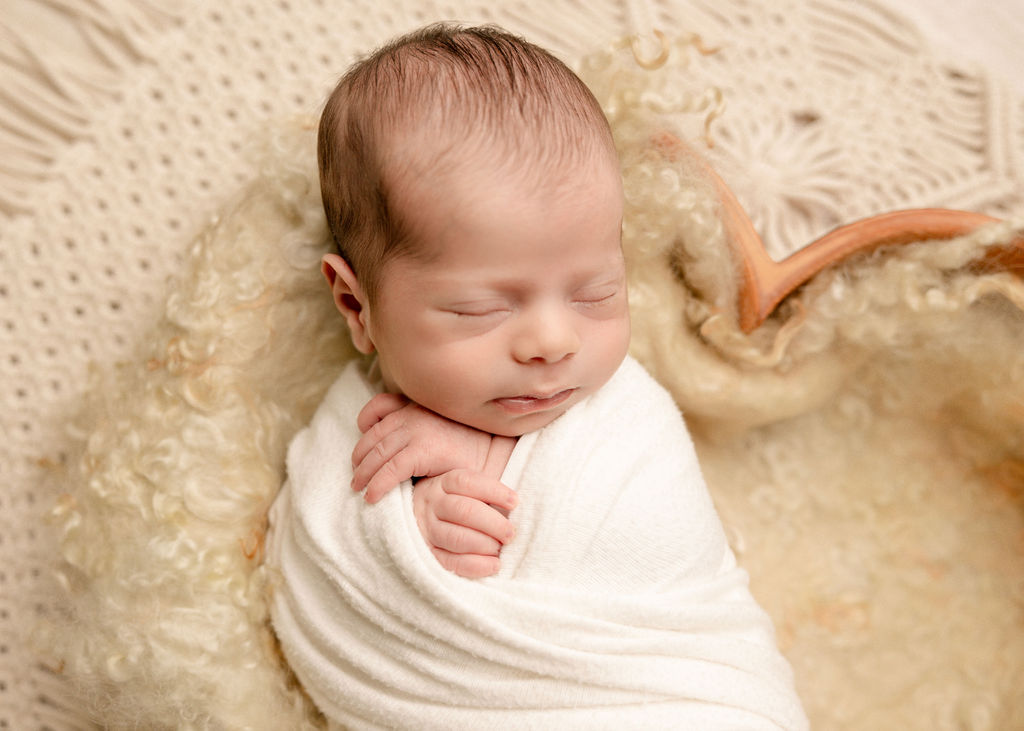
x=528 y=404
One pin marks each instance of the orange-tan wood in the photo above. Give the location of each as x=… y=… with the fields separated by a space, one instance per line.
x=764 y=282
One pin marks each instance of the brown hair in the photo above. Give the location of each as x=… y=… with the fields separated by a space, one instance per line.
x=464 y=86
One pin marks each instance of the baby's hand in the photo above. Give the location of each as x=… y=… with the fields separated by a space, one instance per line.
x=457 y=513
x=402 y=440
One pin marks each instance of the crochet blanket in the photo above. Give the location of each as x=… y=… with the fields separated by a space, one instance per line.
x=618 y=604
x=870 y=538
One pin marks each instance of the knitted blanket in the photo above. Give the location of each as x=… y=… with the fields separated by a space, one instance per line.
x=870 y=537
x=618 y=604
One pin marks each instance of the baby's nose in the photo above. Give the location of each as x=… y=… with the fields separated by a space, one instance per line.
x=546 y=337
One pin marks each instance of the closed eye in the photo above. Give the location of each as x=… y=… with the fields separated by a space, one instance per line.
x=597 y=296
x=596 y=300
x=477 y=310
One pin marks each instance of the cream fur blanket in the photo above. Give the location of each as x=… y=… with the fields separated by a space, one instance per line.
x=618 y=605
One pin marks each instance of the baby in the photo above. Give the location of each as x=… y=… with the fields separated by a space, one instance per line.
x=471 y=183
x=480 y=259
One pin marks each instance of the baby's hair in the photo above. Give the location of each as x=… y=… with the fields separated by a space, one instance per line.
x=419 y=105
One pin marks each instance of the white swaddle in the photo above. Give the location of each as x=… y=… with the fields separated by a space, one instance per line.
x=618 y=604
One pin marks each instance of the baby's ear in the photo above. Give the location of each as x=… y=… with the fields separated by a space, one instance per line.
x=349 y=298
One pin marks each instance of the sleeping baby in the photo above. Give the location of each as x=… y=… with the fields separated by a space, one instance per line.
x=529 y=542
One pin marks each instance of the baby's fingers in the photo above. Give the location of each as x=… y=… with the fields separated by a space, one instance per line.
x=369 y=441
x=459 y=538
x=378 y=407
x=478 y=486
x=381 y=463
x=467 y=525
x=467 y=565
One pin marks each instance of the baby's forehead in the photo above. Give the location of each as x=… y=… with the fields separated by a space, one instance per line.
x=441 y=176
x=472 y=178
x=426 y=148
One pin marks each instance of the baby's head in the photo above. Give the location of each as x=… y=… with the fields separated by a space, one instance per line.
x=470 y=181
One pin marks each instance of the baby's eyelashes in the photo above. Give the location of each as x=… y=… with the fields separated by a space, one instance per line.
x=605 y=303
x=596 y=299
x=482 y=309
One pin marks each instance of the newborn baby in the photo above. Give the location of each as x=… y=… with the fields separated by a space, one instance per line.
x=558 y=562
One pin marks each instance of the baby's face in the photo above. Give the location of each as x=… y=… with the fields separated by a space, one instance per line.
x=521 y=312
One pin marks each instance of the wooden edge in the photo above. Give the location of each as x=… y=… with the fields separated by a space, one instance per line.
x=774 y=283
x=765 y=283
